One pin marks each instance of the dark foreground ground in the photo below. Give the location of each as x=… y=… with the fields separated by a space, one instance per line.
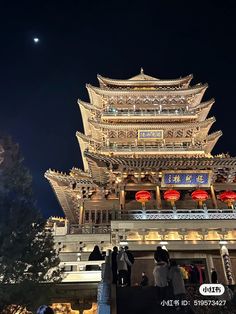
x=147 y=300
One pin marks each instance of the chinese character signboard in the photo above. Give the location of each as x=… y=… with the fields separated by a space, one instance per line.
x=150 y=134
x=186 y=178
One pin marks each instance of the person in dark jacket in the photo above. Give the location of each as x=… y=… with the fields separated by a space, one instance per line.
x=95 y=255
x=161 y=255
x=194 y=275
x=144 y=280
x=131 y=259
x=214 y=278
x=114 y=264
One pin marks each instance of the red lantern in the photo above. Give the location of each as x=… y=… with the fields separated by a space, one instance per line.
x=171 y=196
x=200 y=196
x=143 y=197
x=228 y=197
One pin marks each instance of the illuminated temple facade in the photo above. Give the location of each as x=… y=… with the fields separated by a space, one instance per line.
x=149 y=134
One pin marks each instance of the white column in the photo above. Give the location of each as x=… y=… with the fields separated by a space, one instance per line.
x=210 y=265
x=122 y=197
x=81 y=214
x=227 y=266
x=158 y=197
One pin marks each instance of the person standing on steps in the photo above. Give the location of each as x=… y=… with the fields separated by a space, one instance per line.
x=144 y=281
x=160 y=274
x=160 y=271
x=95 y=255
x=122 y=267
x=161 y=255
x=131 y=259
x=177 y=282
x=214 y=276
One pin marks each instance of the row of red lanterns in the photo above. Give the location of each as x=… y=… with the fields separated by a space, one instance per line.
x=199 y=196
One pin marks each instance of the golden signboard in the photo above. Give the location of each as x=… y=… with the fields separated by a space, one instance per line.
x=186 y=178
x=150 y=134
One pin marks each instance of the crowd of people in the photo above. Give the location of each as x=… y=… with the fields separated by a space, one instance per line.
x=166 y=273
x=123 y=259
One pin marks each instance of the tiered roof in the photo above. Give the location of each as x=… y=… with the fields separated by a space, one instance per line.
x=143 y=79
x=111 y=143
x=120 y=109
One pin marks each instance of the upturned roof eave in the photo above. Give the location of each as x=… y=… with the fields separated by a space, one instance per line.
x=102 y=91
x=202 y=124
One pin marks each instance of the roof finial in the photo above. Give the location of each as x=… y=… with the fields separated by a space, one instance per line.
x=141 y=70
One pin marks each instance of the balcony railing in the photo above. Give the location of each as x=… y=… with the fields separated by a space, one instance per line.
x=125 y=113
x=82 y=271
x=189 y=214
x=91 y=226
x=146 y=148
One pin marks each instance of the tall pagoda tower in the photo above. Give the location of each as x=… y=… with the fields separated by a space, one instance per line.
x=149 y=134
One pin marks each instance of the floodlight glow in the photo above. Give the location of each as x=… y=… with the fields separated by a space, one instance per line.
x=223 y=242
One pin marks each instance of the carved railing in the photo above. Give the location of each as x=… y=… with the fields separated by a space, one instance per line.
x=178 y=214
x=90 y=229
x=157 y=214
x=146 y=148
x=114 y=113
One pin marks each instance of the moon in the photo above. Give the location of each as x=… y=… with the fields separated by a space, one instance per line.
x=36 y=40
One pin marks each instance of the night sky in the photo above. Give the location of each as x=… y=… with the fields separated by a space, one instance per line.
x=40 y=83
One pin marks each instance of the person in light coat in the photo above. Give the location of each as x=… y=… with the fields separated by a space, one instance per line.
x=160 y=274
x=122 y=267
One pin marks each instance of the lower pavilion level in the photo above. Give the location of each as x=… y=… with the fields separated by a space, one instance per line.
x=202 y=240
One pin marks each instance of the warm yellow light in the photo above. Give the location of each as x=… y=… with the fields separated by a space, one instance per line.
x=230 y=235
x=213 y=235
x=173 y=235
x=153 y=235
x=63 y=308
x=93 y=309
x=193 y=235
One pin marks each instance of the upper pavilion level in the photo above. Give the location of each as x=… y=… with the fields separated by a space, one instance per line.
x=145 y=116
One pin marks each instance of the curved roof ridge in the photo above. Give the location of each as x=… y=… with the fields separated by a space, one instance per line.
x=77 y=172
x=145 y=79
x=214 y=135
x=85 y=138
x=204 y=104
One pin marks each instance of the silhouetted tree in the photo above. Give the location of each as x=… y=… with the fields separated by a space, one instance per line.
x=27 y=256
